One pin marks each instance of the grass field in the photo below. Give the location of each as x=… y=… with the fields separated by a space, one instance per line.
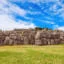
x=28 y=54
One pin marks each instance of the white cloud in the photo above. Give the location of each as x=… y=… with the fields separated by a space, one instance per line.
x=11 y=8
x=7 y=8
x=52 y=8
x=57 y=27
x=3 y=1
x=55 y=8
x=61 y=28
x=50 y=22
x=7 y=23
x=16 y=9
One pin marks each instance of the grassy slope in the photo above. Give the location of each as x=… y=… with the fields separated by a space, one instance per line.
x=26 y=54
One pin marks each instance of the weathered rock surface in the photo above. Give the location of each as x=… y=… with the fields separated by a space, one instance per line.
x=31 y=36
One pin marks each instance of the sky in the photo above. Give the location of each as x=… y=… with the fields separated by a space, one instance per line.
x=17 y=14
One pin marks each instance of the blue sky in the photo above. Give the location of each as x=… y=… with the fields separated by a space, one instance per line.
x=31 y=13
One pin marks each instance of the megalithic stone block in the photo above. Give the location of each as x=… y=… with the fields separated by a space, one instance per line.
x=38 y=42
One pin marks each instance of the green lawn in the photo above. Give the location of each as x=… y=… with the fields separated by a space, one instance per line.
x=28 y=54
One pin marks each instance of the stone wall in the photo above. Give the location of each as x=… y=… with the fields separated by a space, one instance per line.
x=32 y=37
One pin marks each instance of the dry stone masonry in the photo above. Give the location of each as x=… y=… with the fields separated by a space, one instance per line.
x=32 y=37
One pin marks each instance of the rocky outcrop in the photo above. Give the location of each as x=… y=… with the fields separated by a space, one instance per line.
x=32 y=37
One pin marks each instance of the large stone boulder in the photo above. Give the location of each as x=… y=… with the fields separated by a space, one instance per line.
x=38 y=38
